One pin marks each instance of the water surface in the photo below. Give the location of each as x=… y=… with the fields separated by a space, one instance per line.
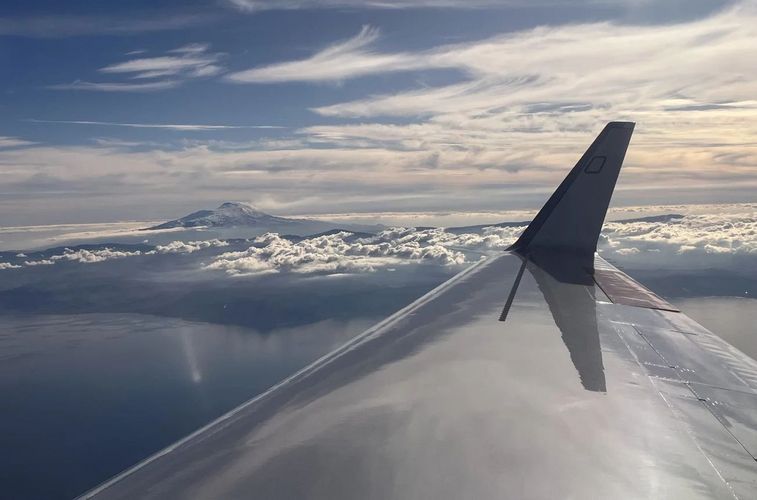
x=85 y=396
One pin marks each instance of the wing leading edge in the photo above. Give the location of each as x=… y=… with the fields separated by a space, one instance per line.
x=519 y=378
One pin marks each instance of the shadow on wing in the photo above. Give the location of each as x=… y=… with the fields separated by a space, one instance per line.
x=573 y=307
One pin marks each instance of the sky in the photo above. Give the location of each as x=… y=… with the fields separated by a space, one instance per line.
x=131 y=111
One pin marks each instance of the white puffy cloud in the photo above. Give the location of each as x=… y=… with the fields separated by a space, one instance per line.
x=725 y=240
x=492 y=238
x=91 y=256
x=41 y=262
x=83 y=256
x=8 y=265
x=189 y=246
x=332 y=254
x=688 y=241
x=730 y=233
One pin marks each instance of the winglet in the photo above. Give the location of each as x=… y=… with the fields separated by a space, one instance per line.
x=570 y=222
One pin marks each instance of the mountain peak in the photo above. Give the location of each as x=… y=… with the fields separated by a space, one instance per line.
x=236 y=214
x=236 y=204
x=228 y=214
x=241 y=207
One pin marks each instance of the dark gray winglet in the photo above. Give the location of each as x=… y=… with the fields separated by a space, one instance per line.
x=570 y=221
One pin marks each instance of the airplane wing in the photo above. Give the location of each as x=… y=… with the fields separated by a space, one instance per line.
x=540 y=373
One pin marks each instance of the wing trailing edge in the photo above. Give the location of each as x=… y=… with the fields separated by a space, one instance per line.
x=570 y=222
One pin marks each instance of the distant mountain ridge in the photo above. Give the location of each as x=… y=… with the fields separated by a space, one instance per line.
x=234 y=214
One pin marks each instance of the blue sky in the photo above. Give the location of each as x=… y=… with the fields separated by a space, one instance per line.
x=115 y=111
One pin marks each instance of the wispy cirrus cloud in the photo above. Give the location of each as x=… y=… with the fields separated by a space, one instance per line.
x=350 y=58
x=67 y=25
x=263 y=5
x=14 y=142
x=184 y=127
x=689 y=85
x=116 y=86
x=191 y=61
x=522 y=109
x=163 y=72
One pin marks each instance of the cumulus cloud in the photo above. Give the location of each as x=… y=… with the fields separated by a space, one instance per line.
x=692 y=241
x=84 y=256
x=491 y=238
x=189 y=246
x=8 y=265
x=90 y=256
x=686 y=241
x=734 y=234
x=331 y=254
x=41 y=262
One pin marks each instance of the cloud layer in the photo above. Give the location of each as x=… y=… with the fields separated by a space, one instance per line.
x=712 y=240
x=332 y=254
x=715 y=239
x=515 y=112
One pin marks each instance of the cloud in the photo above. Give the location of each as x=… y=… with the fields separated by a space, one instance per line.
x=162 y=72
x=187 y=127
x=526 y=102
x=84 y=256
x=689 y=241
x=64 y=25
x=115 y=86
x=188 y=61
x=14 y=142
x=534 y=71
x=713 y=237
x=714 y=240
x=522 y=109
x=347 y=59
x=263 y=5
x=330 y=254
x=41 y=262
x=91 y=256
x=189 y=246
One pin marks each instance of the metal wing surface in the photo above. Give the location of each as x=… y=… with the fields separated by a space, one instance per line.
x=540 y=373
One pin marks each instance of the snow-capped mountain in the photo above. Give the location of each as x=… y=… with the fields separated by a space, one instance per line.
x=236 y=215
x=229 y=214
